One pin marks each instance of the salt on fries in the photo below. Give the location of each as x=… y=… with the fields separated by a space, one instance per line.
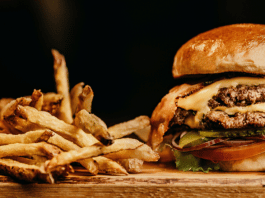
x=41 y=135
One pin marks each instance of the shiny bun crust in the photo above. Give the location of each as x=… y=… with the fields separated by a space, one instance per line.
x=232 y=48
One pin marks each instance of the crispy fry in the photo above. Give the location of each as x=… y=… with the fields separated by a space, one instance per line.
x=132 y=165
x=127 y=128
x=62 y=86
x=108 y=166
x=73 y=156
x=29 y=137
x=32 y=173
x=35 y=160
x=74 y=93
x=85 y=99
x=67 y=145
x=143 y=134
x=3 y=128
x=4 y=102
x=143 y=152
x=37 y=99
x=45 y=120
x=92 y=151
x=9 y=109
x=20 y=149
x=90 y=123
x=52 y=102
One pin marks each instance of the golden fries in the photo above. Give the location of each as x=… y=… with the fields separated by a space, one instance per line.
x=144 y=133
x=45 y=120
x=42 y=134
x=108 y=166
x=52 y=102
x=37 y=99
x=127 y=128
x=142 y=152
x=85 y=99
x=32 y=173
x=62 y=85
x=74 y=95
x=20 y=149
x=90 y=123
x=132 y=165
x=29 y=137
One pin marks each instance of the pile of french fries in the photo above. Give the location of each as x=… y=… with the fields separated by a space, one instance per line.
x=43 y=134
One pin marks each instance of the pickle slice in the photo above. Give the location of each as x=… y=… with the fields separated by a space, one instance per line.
x=233 y=133
x=191 y=139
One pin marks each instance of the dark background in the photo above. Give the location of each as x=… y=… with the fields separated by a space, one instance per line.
x=123 y=49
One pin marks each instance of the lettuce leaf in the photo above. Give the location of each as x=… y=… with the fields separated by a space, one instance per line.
x=187 y=162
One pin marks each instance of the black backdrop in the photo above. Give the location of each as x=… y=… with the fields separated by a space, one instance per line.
x=123 y=49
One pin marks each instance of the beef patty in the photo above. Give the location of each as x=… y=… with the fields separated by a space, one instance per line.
x=241 y=95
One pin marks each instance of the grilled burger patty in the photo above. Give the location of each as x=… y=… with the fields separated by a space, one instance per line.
x=242 y=95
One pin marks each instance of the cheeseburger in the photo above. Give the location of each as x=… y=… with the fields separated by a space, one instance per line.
x=216 y=119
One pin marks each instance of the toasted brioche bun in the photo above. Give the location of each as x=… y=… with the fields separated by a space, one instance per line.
x=232 y=48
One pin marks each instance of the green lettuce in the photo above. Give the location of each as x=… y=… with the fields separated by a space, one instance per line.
x=187 y=162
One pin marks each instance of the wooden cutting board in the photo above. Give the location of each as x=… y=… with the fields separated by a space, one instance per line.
x=156 y=180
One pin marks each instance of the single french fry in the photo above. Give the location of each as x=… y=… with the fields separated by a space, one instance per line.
x=32 y=173
x=3 y=128
x=85 y=99
x=132 y=165
x=91 y=151
x=108 y=166
x=67 y=145
x=74 y=93
x=35 y=160
x=9 y=109
x=4 y=102
x=45 y=120
x=90 y=123
x=52 y=102
x=21 y=149
x=142 y=152
x=144 y=133
x=18 y=125
x=29 y=137
x=127 y=128
x=62 y=86
x=37 y=99
x=73 y=156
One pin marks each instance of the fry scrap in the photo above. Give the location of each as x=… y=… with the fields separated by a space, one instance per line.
x=127 y=128
x=43 y=134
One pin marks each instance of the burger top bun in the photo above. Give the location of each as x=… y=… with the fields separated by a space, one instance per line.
x=232 y=48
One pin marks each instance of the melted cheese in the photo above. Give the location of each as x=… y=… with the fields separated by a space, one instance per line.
x=232 y=110
x=199 y=100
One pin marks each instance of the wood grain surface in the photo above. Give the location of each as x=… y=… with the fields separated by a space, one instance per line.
x=156 y=180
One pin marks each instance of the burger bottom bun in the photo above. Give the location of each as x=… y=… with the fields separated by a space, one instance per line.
x=255 y=163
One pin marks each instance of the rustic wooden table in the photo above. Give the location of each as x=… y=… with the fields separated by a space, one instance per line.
x=156 y=180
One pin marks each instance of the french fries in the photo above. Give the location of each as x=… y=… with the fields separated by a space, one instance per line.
x=43 y=134
x=108 y=166
x=90 y=123
x=52 y=102
x=132 y=165
x=127 y=128
x=32 y=173
x=62 y=85
x=74 y=96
